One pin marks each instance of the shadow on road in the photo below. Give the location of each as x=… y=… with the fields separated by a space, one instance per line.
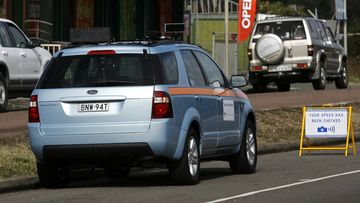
x=157 y=177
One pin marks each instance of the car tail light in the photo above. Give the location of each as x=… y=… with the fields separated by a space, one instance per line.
x=34 y=116
x=250 y=54
x=310 y=49
x=257 y=68
x=101 y=52
x=161 y=105
x=302 y=65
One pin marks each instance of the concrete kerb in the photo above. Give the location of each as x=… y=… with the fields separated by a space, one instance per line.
x=32 y=182
x=292 y=146
x=16 y=184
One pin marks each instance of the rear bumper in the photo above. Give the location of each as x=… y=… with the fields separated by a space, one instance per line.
x=161 y=140
x=290 y=76
x=293 y=76
x=96 y=151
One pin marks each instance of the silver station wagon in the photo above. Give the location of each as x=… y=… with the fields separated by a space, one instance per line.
x=139 y=104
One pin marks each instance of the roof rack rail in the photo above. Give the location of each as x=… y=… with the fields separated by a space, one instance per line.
x=277 y=17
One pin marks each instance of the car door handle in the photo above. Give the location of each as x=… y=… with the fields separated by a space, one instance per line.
x=5 y=53
x=23 y=54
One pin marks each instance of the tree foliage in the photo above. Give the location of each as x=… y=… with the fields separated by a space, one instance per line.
x=325 y=9
x=279 y=8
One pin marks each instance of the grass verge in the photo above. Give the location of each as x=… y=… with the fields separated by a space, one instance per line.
x=284 y=125
x=16 y=158
x=274 y=126
x=354 y=71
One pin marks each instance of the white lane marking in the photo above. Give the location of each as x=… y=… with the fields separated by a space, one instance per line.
x=283 y=186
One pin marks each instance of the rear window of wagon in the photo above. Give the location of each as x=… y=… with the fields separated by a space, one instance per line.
x=110 y=70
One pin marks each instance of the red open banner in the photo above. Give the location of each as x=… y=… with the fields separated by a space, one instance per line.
x=247 y=12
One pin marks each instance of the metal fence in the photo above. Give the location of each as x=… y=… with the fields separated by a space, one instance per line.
x=38 y=29
x=207 y=28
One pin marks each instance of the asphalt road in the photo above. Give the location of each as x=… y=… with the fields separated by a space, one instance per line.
x=280 y=177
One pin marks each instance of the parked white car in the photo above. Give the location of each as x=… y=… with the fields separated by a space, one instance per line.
x=21 y=61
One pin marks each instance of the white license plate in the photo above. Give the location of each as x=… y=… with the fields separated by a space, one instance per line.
x=93 y=107
x=280 y=68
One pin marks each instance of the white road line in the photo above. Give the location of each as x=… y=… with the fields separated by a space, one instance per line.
x=283 y=186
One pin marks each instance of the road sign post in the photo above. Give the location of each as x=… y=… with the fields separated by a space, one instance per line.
x=327 y=122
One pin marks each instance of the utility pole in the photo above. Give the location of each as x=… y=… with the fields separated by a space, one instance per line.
x=345 y=29
x=227 y=38
x=341 y=16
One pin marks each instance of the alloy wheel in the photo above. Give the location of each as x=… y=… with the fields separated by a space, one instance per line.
x=2 y=93
x=250 y=146
x=193 y=156
x=322 y=76
x=344 y=75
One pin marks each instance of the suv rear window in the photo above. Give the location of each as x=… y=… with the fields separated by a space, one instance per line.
x=286 y=30
x=109 y=70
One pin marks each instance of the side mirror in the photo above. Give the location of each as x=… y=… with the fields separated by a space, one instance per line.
x=238 y=81
x=35 y=42
x=339 y=37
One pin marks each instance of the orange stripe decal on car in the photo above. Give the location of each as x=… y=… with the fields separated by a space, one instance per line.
x=189 y=91
x=207 y=91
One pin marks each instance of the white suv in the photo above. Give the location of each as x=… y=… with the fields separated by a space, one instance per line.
x=295 y=49
x=21 y=62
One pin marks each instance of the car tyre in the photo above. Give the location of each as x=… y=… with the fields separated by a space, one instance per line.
x=320 y=83
x=3 y=93
x=259 y=87
x=186 y=170
x=52 y=176
x=342 y=82
x=246 y=159
x=119 y=172
x=283 y=86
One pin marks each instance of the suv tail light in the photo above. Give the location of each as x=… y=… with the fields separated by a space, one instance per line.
x=310 y=49
x=34 y=116
x=257 y=68
x=250 y=54
x=161 y=107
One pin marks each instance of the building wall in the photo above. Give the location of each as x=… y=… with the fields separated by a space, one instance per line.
x=127 y=19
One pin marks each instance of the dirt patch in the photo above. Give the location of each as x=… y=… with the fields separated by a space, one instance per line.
x=284 y=125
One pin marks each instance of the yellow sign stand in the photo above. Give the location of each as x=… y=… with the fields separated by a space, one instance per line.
x=350 y=129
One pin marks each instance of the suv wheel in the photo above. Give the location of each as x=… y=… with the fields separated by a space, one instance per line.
x=342 y=81
x=186 y=170
x=245 y=160
x=283 y=86
x=3 y=93
x=52 y=176
x=259 y=87
x=320 y=84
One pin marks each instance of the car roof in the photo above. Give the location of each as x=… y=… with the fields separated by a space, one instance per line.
x=128 y=47
x=5 y=20
x=286 y=18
